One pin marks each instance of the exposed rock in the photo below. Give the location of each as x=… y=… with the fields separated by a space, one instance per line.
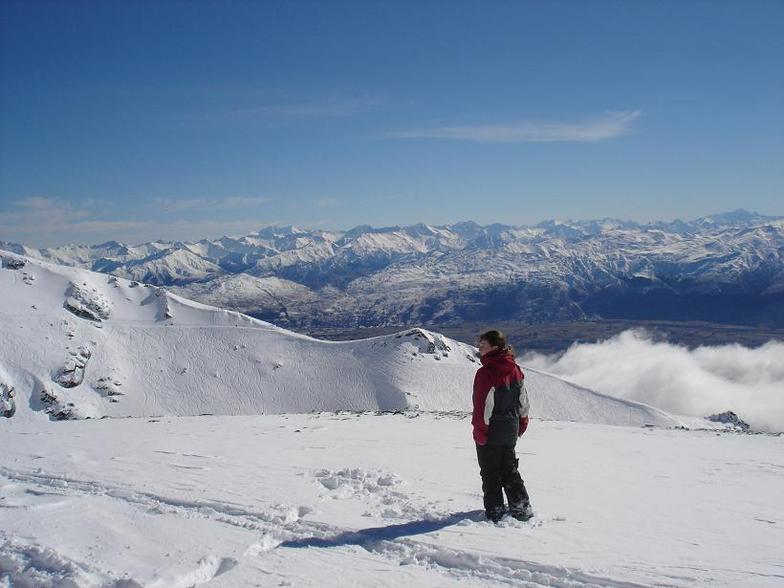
x=48 y=398
x=431 y=343
x=55 y=408
x=730 y=418
x=7 y=400
x=72 y=373
x=91 y=305
x=13 y=263
x=108 y=386
x=166 y=310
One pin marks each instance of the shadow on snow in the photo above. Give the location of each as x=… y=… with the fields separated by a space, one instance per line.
x=388 y=533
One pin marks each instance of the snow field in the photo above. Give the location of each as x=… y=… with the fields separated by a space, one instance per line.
x=341 y=499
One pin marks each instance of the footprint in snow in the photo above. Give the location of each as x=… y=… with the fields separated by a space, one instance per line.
x=380 y=491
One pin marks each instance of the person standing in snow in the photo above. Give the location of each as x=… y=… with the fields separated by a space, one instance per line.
x=500 y=417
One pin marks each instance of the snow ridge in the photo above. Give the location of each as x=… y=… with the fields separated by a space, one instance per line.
x=145 y=352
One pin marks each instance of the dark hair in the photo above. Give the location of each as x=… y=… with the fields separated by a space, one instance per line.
x=497 y=339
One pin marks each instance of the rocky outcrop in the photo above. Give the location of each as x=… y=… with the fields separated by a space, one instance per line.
x=109 y=387
x=88 y=304
x=72 y=373
x=57 y=409
x=7 y=400
x=13 y=263
x=430 y=343
x=731 y=419
x=166 y=312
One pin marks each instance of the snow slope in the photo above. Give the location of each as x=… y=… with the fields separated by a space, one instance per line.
x=78 y=344
x=364 y=500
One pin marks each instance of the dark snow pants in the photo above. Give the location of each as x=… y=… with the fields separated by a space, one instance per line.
x=498 y=468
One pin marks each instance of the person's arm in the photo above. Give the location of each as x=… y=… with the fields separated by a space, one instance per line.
x=524 y=408
x=478 y=420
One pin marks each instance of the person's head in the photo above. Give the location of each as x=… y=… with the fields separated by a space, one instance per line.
x=493 y=341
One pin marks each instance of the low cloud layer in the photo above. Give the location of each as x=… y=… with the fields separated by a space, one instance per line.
x=696 y=382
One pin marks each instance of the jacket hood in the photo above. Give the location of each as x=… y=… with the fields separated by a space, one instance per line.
x=500 y=361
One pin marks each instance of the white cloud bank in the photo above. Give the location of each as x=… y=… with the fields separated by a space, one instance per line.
x=696 y=382
x=610 y=125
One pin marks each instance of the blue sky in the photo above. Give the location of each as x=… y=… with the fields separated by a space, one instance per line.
x=183 y=120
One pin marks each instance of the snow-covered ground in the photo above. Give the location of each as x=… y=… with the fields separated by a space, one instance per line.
x=257 y=495
x=389 y=500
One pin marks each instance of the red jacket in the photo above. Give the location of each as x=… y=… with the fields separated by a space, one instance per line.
x=500 y=400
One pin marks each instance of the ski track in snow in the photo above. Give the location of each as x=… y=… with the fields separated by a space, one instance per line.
x=282 y=529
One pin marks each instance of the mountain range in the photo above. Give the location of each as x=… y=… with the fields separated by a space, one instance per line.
x=723 y=268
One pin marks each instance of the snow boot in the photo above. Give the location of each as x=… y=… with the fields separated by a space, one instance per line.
x=522 y=512
x=495 y=514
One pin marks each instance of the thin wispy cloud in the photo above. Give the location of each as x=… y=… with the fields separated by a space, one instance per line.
x=608 y=126
x=197 y=204
x=242 y=201
x=40 y=232
x=325 y=202
x=41 y=210
x=35 y=203
x=44 y=222
x=316 y=109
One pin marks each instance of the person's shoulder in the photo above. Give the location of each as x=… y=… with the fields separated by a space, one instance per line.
x=482 y=374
